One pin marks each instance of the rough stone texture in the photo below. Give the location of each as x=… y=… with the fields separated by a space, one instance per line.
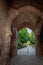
x=22 y=16
x=38 y=38
x=13 y=47
x=3 y=18
x=3 y=42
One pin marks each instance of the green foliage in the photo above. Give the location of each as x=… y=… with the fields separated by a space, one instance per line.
x=24 y=36
x=19 y=46
x=29 y=43
x=32 y=37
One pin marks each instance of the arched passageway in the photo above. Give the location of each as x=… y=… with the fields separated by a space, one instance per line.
x=25 y=16
x=28 y=18
x=23 y=25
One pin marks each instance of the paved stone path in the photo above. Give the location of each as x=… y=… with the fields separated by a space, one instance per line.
x=26 y=56
x=27 y=51
x=26 y=60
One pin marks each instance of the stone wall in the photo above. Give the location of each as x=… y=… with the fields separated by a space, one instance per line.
x=3 y=18
x=20 y=3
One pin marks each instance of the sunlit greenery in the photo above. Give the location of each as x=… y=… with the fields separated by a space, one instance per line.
x=25 y=37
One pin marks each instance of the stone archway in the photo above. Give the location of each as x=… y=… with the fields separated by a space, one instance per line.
x=28 y=14
x=14 y=13
x=29 y=18
x=14 y=36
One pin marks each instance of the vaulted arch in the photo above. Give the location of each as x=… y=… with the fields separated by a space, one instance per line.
x=27 y=16
x=31 y=11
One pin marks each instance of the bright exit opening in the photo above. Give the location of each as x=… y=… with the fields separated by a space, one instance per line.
x=26 y=42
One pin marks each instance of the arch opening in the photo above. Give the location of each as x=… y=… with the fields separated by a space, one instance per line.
x=26 y=42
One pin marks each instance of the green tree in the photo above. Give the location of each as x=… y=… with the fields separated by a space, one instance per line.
x=32 y=37
x=22 y=35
